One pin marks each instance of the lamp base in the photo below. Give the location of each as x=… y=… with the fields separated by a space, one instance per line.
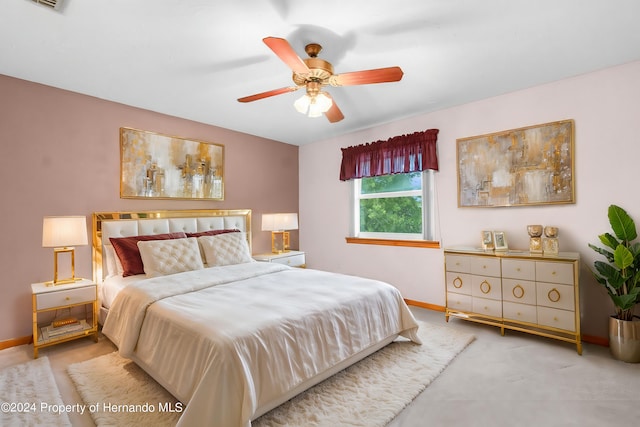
x=63 y=281
x=279 y=242
x=73 y=278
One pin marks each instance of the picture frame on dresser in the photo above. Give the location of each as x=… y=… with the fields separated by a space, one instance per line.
x=500 y=241
x=487 y=240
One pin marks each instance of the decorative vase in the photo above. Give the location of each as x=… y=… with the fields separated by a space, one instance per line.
x=624 y=339
x=535 y=241
x=550 y=243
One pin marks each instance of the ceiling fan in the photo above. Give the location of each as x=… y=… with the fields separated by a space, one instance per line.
x=313 y=74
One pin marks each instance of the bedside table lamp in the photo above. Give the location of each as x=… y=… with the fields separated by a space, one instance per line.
x=63 y=233
x=278 y=223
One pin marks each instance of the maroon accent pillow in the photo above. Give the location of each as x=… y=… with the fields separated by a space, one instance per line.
x=127 y=250
x=211 y=232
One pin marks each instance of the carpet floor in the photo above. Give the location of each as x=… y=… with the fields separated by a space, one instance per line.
x=368 y=394
x=29 y=396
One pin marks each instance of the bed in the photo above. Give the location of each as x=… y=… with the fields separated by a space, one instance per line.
x=230 y=337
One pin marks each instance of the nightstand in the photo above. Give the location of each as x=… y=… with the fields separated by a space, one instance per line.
x=291 y=258
x=83 y=293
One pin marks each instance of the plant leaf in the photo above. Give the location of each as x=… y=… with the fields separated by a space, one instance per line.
x=623 y=257
x=610 y=274
x=609 y=240
x=604 y=252
x=624 y=302
x=622 y=224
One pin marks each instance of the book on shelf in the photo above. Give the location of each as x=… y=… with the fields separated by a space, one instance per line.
x=50 y=331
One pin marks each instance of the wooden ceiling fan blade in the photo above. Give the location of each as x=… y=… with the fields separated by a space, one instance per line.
x=269 y=93
x=334 y=114
x=379 y=75
x=285 y=52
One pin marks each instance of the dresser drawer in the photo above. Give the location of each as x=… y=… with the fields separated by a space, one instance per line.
x=458 y=301
x=459 y=283
x=520 y=291
x=486 y=287
x=65 y=297
x=485 y=266
x=519 y=269
x=555 y=318
x=292 y=261
x=555 y=296
x=519 y=312
x=554 y=272
x=487 y=307
x=457 y=263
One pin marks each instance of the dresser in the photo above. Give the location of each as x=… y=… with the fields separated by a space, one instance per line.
x=515 y=290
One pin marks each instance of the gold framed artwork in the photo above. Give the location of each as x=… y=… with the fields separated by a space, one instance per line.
x=527 y=166
x=159 y=166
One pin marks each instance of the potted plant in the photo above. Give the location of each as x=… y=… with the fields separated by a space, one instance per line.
x=620 y=276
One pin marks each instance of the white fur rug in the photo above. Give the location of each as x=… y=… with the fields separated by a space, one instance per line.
x=369 y=393
x=29 y=396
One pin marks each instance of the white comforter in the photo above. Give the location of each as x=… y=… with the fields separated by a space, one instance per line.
x=231 y=341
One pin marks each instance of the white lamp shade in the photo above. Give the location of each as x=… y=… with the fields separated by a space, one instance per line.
x=62 y=231
x=313 y=106
x=279 y=221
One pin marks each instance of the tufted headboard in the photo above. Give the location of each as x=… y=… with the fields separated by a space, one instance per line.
x=125 y=224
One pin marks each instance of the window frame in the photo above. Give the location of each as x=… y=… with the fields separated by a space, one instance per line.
x=425 y=238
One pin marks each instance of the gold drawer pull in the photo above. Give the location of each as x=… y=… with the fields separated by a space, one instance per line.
x=68 y=299
x=488 y=287
x=520 y=288
x=518 y=269
x=484 y=266
x=553 y=273
x=555 y=297
x=457 y=282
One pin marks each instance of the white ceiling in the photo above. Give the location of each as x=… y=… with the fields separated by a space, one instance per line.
x=194 y=58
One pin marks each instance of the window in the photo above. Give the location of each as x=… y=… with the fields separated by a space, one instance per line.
x=393 y=190
x=398 y=206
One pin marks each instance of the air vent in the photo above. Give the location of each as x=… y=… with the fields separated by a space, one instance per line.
x=54 y=4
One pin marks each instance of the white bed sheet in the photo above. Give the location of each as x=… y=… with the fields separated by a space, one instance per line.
x=111 y=286
x=231 y=341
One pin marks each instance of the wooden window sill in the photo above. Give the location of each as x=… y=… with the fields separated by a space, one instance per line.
x=391 y=242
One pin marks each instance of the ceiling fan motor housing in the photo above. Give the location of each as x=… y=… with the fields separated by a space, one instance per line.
x=320 y=71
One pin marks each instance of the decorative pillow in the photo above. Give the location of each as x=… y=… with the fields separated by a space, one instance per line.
x=127 y=250
x=163 y=257
x=211 y=233
x=225 y=249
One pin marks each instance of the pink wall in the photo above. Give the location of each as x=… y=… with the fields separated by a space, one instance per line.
x=606 y=108
x=60 y=155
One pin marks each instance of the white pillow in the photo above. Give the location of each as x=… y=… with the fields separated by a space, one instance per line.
x=111 y=262
x=163 y=257
x=225 y=249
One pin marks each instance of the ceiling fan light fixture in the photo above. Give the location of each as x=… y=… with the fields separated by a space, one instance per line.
x=313 y=106
x=302 y=104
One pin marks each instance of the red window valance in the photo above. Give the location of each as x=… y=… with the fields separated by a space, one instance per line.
x=400 y=154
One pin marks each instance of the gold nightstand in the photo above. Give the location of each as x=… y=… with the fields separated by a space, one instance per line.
x=68 y=297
